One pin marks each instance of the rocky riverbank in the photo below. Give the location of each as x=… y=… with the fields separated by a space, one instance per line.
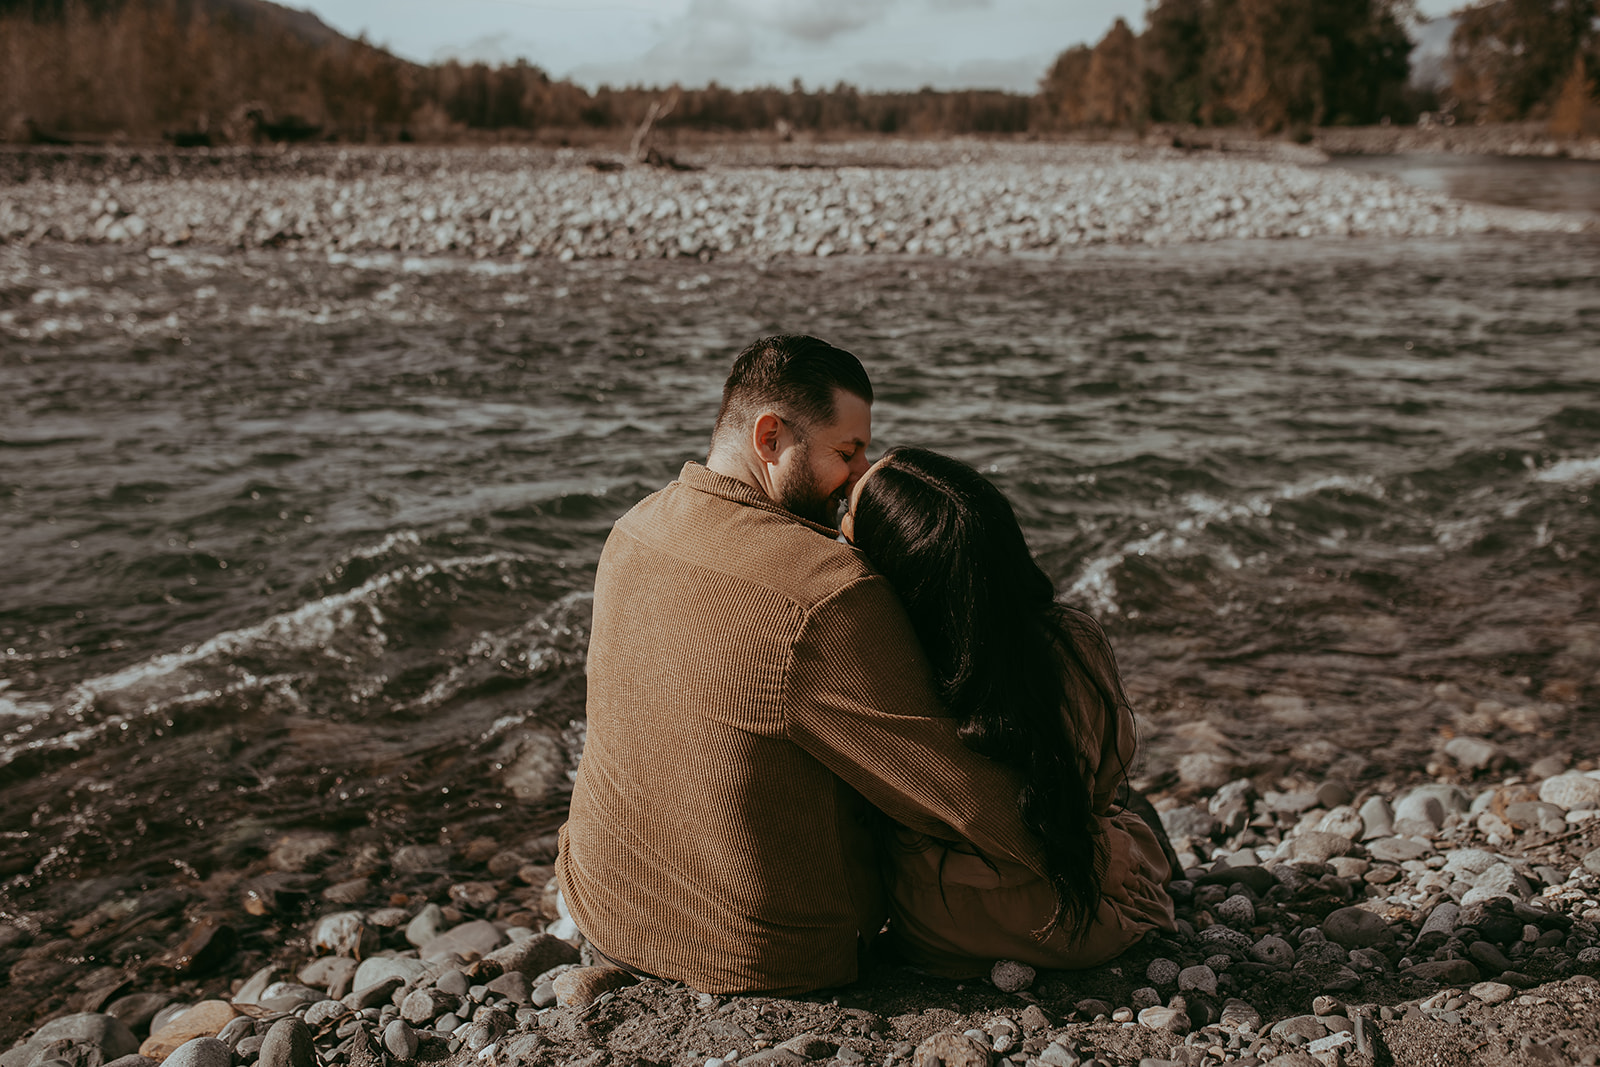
x=1454 y=921
x=753 y=201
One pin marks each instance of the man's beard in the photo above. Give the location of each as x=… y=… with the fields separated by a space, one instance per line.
x=804 y=497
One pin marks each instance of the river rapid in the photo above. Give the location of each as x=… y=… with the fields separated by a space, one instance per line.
x=300 y=542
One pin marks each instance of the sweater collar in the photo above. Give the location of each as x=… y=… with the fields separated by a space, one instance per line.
x=701 y=478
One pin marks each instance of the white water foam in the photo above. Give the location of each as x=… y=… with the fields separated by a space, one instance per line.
x=309 y=628
x=1570 y=472
x=1096 y=585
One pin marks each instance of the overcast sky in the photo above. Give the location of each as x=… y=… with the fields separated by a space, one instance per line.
x=873 y=44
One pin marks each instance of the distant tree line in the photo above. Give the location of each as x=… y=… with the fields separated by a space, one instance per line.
x=231 y=71
x=1286 y=64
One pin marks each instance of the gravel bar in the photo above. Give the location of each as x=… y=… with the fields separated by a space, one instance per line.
x=897 y=198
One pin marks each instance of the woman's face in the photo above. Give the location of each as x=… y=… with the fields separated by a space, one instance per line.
x=847 y=525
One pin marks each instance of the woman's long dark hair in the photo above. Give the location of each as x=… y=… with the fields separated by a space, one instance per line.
x=1001 y=648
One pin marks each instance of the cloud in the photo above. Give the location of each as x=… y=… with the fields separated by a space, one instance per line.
x=1016 y=74
x=875 y=44
x=495 y=49
x=820 y=21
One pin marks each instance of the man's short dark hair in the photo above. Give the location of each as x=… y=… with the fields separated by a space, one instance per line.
x=793 y=375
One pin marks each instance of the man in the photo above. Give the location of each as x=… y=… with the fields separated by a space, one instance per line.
x=753 y=685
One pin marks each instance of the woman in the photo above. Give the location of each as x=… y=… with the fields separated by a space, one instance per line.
x=1032 y=684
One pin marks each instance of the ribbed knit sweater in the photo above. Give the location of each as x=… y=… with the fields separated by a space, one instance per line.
x=751 y=682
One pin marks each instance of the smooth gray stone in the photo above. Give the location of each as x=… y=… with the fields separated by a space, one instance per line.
x=325 y=1011
x=325 y=971
x=379 y=968
x=1357 y=928
x=513 y=985
x=1397 y=849
x=1573 y=791
x=200 y=1052
x=452 y=982
x=1491 y=958
x=534 y=955
x=132 y=1060
x=545 y=995
x=105 y=1032
x=375 y=994
x=236 y=1031
x=472 y=939
x=1377 y=818
x=1440 y=924
x=401 y=1041
x=426 y=926
x=424 y=1005
x=250 y=1048
x=288 y=1044
x=1529 y=814
x=250 y=992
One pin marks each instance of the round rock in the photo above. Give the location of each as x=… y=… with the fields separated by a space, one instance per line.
x=1159 y=1017
x=1010 y=976
x=200 y=1052
x=401 y=1041
x=1571 y=791
x=1162 y=972
x=105 y=1032
x=288 y=1044
x=1492 y=992
x=1357 y=928
x=1273 y=951
x=1200 y=978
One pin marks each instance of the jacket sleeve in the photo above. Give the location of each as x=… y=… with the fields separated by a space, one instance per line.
x=861 y=701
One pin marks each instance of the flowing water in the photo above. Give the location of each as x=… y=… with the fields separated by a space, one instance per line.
x=288 y=542
x=1536 y=183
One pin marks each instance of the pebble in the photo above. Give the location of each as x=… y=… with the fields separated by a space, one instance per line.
x=1492 y=992
x=200 y=1052
x=202 y=1020
x=1377 y=818
x=401 y=1041
x=469 y=940
x=344 y=933
x=425 y=1005
x=1012 y=976
x=1472 y=753
x=1201 y=978
x=579 y=987
x=535 y=955
x=288 y=1044
x=378 y=969
x=1161 y=1017
x=1162 y=972
x=426 y=926
x=105 y=1032
x=1572 y=791
x=325 y=1011
x=1357 y=928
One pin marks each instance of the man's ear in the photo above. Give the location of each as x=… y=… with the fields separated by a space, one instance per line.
x=766 y=437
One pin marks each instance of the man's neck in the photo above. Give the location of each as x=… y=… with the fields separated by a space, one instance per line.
x=738 y=468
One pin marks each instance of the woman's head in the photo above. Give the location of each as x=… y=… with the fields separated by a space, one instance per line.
x=999 y=646
x=951 y=546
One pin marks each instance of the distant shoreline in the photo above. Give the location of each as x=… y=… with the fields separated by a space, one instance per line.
x=1511 y=140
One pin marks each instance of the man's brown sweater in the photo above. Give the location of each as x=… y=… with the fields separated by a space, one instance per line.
x=750 y=681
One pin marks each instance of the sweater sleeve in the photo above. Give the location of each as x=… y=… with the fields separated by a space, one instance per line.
x=861 y=701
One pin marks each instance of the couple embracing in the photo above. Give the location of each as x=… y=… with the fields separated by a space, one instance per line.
x=796 y=736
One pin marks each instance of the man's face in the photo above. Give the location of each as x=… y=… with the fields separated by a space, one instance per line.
x=825 y=465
